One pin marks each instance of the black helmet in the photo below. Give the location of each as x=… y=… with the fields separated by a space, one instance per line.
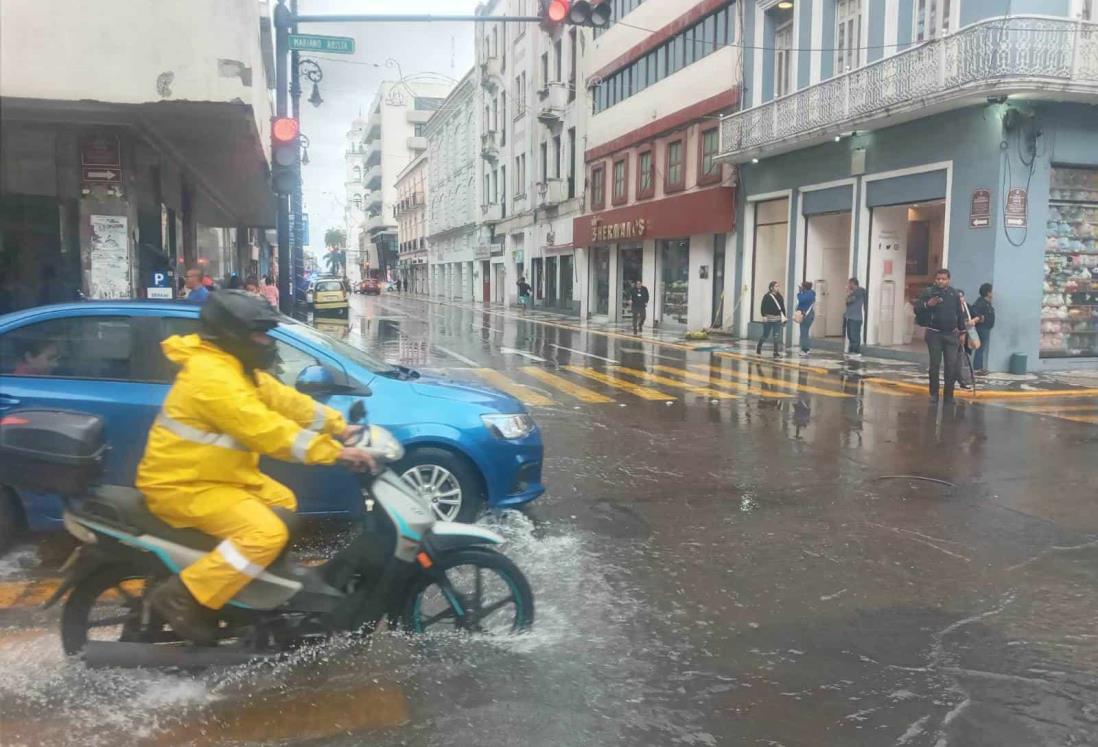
x=230 y=317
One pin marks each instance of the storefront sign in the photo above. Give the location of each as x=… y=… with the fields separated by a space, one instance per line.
x=630 y=229
x=484 y=251
x=1017 y=207
x=979 y=213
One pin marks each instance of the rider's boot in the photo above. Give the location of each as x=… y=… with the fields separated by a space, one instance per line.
x=174 y=602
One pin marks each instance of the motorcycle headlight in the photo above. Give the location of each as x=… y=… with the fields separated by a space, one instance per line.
x=509 y=426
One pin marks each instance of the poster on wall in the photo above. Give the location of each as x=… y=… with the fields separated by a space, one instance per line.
x=109 y=258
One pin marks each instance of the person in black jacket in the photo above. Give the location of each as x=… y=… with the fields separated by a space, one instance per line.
x=638 y=301
x=939 y=310
x=773 y=314
x=983 y=314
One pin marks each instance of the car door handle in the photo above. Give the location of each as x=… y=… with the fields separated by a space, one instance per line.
x=7 y=401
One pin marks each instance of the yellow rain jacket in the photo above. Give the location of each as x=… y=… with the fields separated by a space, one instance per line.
x=201 y=462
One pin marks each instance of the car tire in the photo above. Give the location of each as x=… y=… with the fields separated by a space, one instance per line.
x=13 y=522
x=425 y=460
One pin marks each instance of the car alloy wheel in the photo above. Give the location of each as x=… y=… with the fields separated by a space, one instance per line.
x=438 y=486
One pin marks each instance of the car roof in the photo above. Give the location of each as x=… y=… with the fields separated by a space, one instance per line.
x=123 y=305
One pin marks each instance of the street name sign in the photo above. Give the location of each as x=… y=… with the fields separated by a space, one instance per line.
x=315 y=43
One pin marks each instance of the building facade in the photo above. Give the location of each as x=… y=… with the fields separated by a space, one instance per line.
x=411 y=214
x=395 y=134
x=531 y=115
x=451 y=199
x=658 y=202
x=113 y=182
x=882 y=140
x=356 y=186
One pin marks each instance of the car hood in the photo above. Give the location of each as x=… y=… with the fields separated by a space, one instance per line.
x=459 y=391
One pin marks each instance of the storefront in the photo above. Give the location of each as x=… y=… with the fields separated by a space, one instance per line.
x=1069 y=306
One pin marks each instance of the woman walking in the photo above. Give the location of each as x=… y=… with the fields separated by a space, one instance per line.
x=983 y=314
x=773 y=314
x=805 y=315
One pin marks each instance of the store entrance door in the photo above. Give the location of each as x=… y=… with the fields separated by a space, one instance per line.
x=600 y=288
x=827 y=267
x=630 y=269
x=674 y=281
x=551 y=281
x=500 y=278
x=486 y=281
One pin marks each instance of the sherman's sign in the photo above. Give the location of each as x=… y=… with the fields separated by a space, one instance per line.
x=630 y=229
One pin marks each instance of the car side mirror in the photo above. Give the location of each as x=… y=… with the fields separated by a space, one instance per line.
x=317 y=380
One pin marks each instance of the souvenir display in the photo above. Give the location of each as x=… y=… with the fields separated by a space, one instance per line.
x=1069 y=305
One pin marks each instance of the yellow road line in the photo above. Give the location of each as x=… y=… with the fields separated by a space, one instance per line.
x=992 y=393
x=1093 y=420
x=654 y=379
x=772 y=362
x=1051 y=408
x=611 y=380
x=583 y=394
x=26 y=593
x=525 y=394
x=737 y=385
x=756 y=378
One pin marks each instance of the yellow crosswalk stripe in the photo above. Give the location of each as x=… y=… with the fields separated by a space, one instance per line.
x=1049 y=409
x=737 y=385
x=772 y=362
x=610 y=379
x=760 y=379
x=654 y=379
x=583 y=394
x=525 y=394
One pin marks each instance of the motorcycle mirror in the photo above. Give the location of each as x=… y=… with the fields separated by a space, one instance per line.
x=357 y=412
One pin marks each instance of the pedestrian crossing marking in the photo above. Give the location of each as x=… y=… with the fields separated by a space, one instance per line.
x=772 y=362
x=1044 y=408
x=610 y=379
x=739 y=386
x=758 y=378
x=654 y=379
x=525 y=394
x=583 y=394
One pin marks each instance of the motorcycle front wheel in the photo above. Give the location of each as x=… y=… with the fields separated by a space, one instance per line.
x=475 y=590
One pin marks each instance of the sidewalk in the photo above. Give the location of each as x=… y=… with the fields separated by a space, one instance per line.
x=909 y=376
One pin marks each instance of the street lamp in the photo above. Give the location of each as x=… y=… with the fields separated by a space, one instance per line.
x=312 y=72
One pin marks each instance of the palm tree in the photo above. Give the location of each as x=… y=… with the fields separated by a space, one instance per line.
x=336 y=241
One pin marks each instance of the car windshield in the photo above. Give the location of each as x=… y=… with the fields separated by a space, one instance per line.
x=330 y=285
x=340 y=349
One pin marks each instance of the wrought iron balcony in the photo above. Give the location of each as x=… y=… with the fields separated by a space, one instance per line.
x=1032 y=56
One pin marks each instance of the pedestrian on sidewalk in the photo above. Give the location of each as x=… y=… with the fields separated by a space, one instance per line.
x=270 y=291
x=983 y=313
x=772 y=309
x=524 y=290
x=965 y=370
x=805 y=315
x=638 y=298
x=197 y=289
x=939 y=310
x=854 y=316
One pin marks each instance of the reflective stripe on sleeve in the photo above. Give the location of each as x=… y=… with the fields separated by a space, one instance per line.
x=300 y=449
x=318 y=419
x=189 y=433
x=237 y=560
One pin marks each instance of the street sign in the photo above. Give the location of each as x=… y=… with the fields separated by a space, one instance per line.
x=100 y=159
x=164 y=294
x=315 y=43
x=100 y=174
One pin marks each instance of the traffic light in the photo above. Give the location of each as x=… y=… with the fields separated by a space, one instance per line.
x=285 y=154
x=595 y=14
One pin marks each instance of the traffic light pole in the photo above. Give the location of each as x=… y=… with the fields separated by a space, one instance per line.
x=282 y=21
x=297 y=236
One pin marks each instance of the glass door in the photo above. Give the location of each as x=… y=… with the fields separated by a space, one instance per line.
x=601 y=286
x=674 y=280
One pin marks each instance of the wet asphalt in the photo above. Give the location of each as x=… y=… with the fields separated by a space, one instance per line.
x=768 y=553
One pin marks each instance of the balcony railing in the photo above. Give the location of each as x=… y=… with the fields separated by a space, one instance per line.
x=1017 y=54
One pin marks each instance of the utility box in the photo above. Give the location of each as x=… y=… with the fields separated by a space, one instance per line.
x=1018 y=363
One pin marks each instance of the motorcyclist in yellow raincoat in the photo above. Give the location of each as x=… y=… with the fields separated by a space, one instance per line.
x=201 y=462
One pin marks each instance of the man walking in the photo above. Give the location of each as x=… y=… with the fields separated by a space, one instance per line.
x=197 y=292
x=523 y=293
x=638 y=298
x=939 y=310
x=854 y=316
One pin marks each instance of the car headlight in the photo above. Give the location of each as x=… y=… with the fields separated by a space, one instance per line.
x=509 y=426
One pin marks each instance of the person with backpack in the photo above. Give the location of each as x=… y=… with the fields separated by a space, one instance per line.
x=939 y=310
x=854 y=317
x=983 y=314
x=805 y=315
x=772 y=309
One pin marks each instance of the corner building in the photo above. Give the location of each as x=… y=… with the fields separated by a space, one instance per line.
x=658 y=204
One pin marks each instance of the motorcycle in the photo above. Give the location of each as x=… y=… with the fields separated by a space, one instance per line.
x=404 y=567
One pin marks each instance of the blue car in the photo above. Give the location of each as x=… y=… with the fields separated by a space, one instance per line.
x=467 y=446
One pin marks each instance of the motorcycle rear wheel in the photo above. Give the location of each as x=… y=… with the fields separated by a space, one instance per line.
x=106 y=606
x=481 y=591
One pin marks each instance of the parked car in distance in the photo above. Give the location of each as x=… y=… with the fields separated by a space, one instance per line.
x=370 y=286
x=328 y=294
x=467 y=446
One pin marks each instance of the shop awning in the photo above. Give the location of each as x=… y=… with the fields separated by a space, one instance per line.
x=679 y=216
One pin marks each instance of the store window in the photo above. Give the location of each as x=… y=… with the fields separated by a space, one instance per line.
x=674 y=280
x=1069 y=308
x=646 y=175
x=621 y=181
x=709 y=169
x=848 y=35
x=675 y=178
x=598 y=188
x=771 y=249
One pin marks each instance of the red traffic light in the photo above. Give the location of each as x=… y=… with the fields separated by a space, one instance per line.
x=285 y=129
x=557 y=10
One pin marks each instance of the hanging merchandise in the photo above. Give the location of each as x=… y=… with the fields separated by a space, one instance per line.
x=1069 y=306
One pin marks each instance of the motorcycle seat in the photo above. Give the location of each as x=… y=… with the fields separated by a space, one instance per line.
x=125 y=508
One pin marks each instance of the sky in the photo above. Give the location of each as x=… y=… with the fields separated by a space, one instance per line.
x=350 y=82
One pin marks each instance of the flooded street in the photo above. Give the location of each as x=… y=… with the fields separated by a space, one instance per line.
x=731 y=551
